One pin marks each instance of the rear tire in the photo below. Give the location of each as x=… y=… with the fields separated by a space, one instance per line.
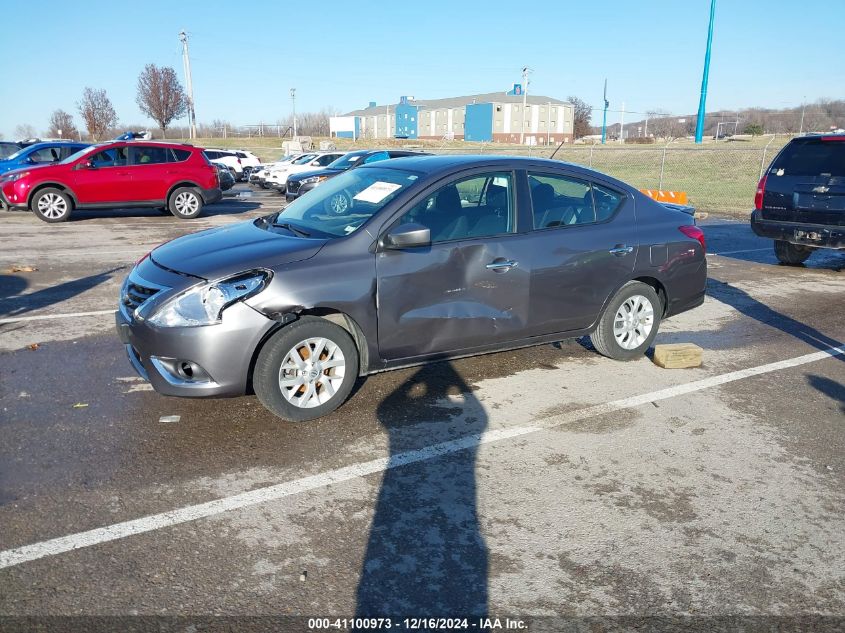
x=51 y=205
x=306 y=370
x=792 y=254
x=629 y=323
x=185 y=203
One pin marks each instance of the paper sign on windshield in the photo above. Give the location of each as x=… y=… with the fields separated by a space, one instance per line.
x=377 y=192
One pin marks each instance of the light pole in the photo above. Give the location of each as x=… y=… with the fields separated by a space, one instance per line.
x=186 y=63
x=699 y=124
x=803 y=105
x=293 y=103
x=525 y=81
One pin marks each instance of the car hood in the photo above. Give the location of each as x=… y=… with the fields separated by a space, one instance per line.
x=302 y=175
x=228 y=250
x=10 y=167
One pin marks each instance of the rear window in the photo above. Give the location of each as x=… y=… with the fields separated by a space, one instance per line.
x=811 y=158
x=181 y=154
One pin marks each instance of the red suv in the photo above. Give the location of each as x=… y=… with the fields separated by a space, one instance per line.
x=175 y=178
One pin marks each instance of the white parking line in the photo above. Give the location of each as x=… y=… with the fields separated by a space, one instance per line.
x=67 y=315
x=52 y=547
x=747 y=250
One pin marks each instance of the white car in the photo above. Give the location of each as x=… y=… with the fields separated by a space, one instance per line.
x=248 y=159
x=228 y=158
x=259 y=174
x=277 y=177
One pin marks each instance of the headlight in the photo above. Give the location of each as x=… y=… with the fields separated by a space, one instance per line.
x=204 y=305
x=13 y=177
x=314 y=179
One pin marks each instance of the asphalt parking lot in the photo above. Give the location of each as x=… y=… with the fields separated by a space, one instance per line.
x=530 y=483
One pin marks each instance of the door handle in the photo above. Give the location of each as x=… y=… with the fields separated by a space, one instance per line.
x=502 y=266
x=621 y=250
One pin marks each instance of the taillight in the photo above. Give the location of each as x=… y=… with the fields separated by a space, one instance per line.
x=761 y=190
x=695 y=233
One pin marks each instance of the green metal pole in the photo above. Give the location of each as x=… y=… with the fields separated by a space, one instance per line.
x=699 y=124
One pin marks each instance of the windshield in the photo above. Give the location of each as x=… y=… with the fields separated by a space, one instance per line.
x=303 y=159
x=345 y=162
x=19 y=153
x=341 y=205
x=79 y=154
x=7 y=150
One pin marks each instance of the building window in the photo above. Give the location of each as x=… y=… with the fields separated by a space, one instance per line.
x=498 y=108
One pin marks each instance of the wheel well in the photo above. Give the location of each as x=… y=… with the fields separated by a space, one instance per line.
x=192 y=185
x=51 y=185
x=659 y=288
x=335 y=316
x=347 y=323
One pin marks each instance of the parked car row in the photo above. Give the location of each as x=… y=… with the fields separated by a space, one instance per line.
x=296 y=175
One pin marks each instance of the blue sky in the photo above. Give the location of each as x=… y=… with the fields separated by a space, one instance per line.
x=247 y=55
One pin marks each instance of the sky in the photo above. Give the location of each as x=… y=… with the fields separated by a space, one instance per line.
x=246 y=56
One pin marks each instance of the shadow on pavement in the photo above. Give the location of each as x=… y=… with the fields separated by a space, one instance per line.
x=227 y=206
x=832 y=389
x=425 y=553
x=12 y=304
x=751 y=307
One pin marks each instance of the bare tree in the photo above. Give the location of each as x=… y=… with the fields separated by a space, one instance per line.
x=97 y=112
x=583 y=112
x=24 y=130
x=62 y=125
x=160 y=95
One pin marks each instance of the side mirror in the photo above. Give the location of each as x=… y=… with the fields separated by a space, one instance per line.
x=407 y=236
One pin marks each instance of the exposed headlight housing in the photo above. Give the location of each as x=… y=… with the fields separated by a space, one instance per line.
x=204 y=304
x=313 y=179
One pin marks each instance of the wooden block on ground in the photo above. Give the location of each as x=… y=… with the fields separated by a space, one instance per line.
x=677 y=355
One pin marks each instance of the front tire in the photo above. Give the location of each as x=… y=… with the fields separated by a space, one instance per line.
x=629 y=323
x=791 y=254
x=306 y=370
x=51 y=205
x=185 y=203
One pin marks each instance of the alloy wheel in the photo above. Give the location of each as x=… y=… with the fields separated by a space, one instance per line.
x=52 y=205
x=186 y=203
x=633 y=322
x=312 y=372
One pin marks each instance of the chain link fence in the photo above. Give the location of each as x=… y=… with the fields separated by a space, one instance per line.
x=719 y=179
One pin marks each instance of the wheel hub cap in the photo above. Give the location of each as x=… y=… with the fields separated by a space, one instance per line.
x=312 y=372
x=633 y=322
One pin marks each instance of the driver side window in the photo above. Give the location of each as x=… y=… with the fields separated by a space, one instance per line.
x=478 y=206
x=112 y=157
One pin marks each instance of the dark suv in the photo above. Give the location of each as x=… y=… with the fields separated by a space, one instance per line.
x=800 y=201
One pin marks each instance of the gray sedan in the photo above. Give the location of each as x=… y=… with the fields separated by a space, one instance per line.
x=435 y=257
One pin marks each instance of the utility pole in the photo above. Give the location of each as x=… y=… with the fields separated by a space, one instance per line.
x=293 y=103
x=525 y=71
x=622 y=124
x=646 y=125
x=699 y=124
x=186 y=64
x=604 y=114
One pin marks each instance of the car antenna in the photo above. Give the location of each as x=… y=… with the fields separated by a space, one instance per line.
x=557 y=148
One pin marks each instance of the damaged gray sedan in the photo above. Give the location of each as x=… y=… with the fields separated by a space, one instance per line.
x=433 y=257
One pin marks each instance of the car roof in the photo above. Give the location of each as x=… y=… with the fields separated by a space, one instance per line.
x=439 y=163
x=55 y=143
